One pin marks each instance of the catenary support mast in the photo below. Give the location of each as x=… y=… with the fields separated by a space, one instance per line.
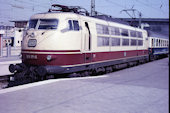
x=92 y=7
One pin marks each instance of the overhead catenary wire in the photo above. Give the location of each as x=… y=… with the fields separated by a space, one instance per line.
x=34 y=6
x=31 y=3
x=150 y=6
x=22 y=7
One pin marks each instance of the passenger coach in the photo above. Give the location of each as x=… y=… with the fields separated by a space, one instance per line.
x=158 y=47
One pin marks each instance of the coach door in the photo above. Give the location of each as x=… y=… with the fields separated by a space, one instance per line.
x=87 y=42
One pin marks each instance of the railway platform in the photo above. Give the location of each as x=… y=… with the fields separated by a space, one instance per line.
x=5 y=62
x=139 y=89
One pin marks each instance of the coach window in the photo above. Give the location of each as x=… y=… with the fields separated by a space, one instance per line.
x=102 y=29
x=152 y=43
x=125 y=42
x=133 y=42
x=73 y=25
x=159 y=43
x=117 y=31
x=105 y=29
x=99 y=29
x=139 y=35
x=132 y=33
x=103 y=41
x=163 y=42
x=156 y=42
x=124 y=32
x=115 y=41
x=140 y=42
x=114 y=31
x=167 y=43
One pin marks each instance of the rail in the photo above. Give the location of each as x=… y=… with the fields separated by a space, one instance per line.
x=4 y=81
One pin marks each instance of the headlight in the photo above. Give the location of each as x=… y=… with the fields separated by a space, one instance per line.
x=49 y=57
x=32 y=35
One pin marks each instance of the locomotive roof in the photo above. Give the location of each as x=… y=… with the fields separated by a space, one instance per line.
x=100 y=17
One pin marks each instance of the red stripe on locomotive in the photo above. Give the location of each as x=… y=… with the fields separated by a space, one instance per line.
x=79 y=58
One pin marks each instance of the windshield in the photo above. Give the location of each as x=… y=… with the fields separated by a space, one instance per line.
x=33 y=23
x=43 y=23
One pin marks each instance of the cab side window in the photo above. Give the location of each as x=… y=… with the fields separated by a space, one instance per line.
x=73 y=25
x=70 y=25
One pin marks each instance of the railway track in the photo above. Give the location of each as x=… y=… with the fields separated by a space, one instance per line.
x=6 y=83
x=4 y=80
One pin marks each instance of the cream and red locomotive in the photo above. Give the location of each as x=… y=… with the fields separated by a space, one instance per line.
x=68 y=42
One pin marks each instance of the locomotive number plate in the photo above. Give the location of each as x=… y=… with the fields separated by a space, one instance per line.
x=32 y=42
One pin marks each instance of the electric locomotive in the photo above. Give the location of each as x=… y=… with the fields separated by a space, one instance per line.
x=66 y=41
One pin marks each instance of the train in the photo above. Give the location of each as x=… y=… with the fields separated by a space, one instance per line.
x=66 y=41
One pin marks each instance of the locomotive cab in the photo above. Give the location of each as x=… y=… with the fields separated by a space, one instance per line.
x=51 y=34
x=54 y=29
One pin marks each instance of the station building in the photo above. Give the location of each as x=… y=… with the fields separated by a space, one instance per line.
x=6 y=35
x=19 y=26
x=12 y=34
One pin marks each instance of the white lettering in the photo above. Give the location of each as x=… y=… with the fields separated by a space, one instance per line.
x=31 y=57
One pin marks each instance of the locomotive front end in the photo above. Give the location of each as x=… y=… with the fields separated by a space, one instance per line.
x=40 y=37
x=48 y=46
x=38 y=44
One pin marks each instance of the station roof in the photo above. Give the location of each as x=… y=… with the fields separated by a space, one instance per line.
x=109 y=18
x=155 y=34
x=147 y=19
x=19 y=21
